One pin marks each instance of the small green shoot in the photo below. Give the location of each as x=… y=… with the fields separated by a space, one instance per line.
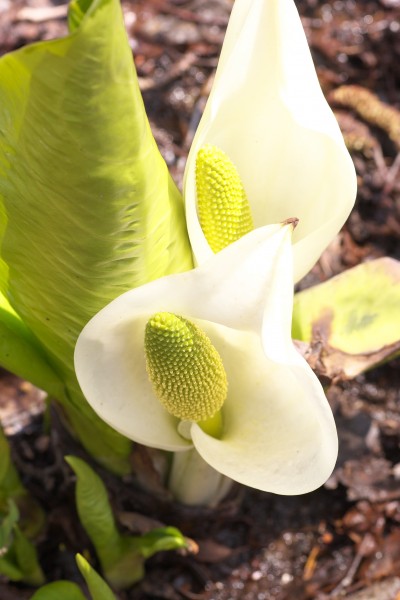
x=18 y=557
x=121 y=557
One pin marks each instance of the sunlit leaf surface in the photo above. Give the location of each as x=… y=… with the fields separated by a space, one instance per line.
x=354 y=316
x=88 y=207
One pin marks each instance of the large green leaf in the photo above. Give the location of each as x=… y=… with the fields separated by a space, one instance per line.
x=354 y=318
x=88 y=209
x=21 y=353
x=77 y=10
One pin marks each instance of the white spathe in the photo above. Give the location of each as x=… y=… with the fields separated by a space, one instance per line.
x=279 y=433
x=266 y=111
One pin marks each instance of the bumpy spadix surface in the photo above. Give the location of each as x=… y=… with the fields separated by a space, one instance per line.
x=224 y=210
x=184 y=367
x=278 y=431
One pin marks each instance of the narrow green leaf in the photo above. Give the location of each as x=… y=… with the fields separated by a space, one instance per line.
x=59 y=590
x=9 y=569
x=4 y=457
x=354 y=316
x=10 y=482
x=27 y=560
x=11 y=490
x=95 y=513
x=120 y=556
x=18 y=558
x=7 y=526
x=98 y=588
x=89 y=209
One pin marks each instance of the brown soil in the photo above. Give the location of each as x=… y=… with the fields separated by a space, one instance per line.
x=344 y=539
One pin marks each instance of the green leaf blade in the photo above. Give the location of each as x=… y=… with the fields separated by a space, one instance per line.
x=18 y=556
x=159 y=540
x=10 y=482
x=27 y=559
x=120 y=559
x=90 y=210
x=5 y=461
x=98 y=588
x=76 y=11
x=95 y=513
x=7 y=525
x=355 y=316
x=62 y=590
x=21 y=354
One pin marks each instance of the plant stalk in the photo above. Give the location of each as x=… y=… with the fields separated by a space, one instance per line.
x=193 y=482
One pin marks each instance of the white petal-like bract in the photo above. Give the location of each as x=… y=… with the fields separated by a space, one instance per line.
x=266 y=111
x=278 y=434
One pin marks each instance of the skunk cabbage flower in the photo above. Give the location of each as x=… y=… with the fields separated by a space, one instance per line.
x=267 y=115
x=205 y=359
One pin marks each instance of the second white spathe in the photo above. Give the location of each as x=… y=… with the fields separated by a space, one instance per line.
x=267 y=112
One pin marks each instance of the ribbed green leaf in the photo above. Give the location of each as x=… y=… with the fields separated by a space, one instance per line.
x=59 y=590
x=95 y=513
x=98 y=588
x=354 y=316
x=88 y=207
x=119 y=556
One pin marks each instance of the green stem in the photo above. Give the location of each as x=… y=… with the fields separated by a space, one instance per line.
x=192 y=481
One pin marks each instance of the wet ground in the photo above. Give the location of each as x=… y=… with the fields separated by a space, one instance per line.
x=343 y=540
